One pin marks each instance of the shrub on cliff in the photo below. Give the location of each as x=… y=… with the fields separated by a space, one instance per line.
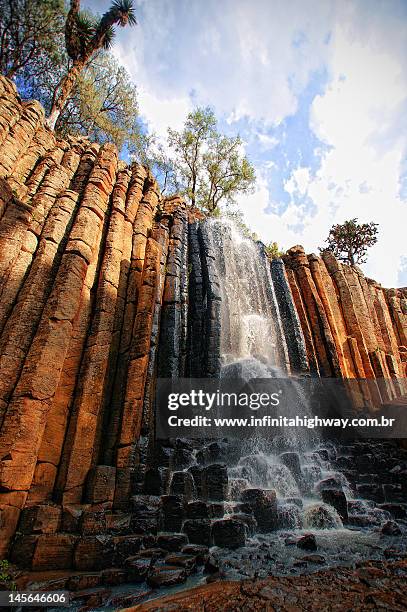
x=350 y=240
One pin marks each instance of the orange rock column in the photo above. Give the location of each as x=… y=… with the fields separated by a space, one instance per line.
x=26 y=415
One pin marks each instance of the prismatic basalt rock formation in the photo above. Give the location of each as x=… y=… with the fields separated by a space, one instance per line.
x=352 y=327
x=104 y=286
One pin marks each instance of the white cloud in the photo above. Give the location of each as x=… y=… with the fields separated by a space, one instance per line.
x=298 y=182
x=359 y=175
x=247 y=59
x=266 y=142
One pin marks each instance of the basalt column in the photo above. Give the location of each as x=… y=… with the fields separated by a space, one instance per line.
x=289 y=318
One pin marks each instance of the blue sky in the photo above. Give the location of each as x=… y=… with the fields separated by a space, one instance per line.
x=317 y=89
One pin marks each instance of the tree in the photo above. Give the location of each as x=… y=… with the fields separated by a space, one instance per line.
x=274 y=251
x=149 y=151
x=30 y=35
x=350 y=240
x=210 y=166
x=85 y=36
x=103 y=104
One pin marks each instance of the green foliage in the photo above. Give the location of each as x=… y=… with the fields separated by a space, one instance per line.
x=237 y=217
x=86 y=34
x=274 y=251
x=103 y=105
x=350 y=240
x=6 y=578
x=30 y=36
x=210 y=167
x=149 y=151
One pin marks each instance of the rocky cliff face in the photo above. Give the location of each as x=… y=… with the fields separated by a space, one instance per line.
x=352 y=327
x=105 y=285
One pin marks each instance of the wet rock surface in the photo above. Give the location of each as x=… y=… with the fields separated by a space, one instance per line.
x=372 y=586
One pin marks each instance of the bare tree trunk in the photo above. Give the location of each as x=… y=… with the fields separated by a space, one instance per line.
x=63 y=91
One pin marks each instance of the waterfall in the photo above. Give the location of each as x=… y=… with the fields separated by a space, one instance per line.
x=252 y=343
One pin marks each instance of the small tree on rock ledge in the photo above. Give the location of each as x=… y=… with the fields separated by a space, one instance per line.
x=350 y=240
x=211 y=168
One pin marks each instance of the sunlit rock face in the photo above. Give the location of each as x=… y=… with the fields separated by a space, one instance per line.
x=104 y=286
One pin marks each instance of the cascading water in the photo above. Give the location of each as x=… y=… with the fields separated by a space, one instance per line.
x=252 y=344
x=296 y=469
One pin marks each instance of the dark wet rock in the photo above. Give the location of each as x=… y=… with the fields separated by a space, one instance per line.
x=329 y=483
x=294 y=500
x=352 y=476
x=211 y=565
x=393 y=493
x=152 y=553
x=370 y=491
x=172 y=542
x=215 y=482
x=92 y=598
x=236 y=486
x=217 y=577
x=357 y=506
x=181 y=458
x=149 y=541
x=364 y=463
x=344 y=463
x=197 y=510
x=201 y=553
x=182 y=483
x=361 y=520
x=126 y=546
x=289 y=516
x=368 y=478
x=166 y=575
x=320 y=516
x=317 y=559
x=307 y=542
x=145 y=514
x=263 y=505
x=83 y=581
x=71 y=518
x=322 y=454
x=93 y=522
x=300 y=564
x=187 y=562
x=248 y=520
x=398 y=511
x=292 y=461
x=156 y=481
x=126 y=600
x=216 y=510
x=337 y=500
x=137 y=568
x=213 y=453
x=198 y=531
x=163 y=455
x=393 y=553
x=172 y=512
x=391 y=529
x=196 y=472
x=113 y=576
x=228 y=533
